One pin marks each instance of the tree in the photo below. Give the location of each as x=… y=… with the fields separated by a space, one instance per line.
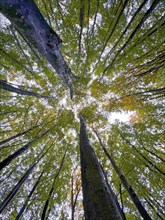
x=124 y=181
x=116 y=50
x=26 y=17
x=98 y=199
x=10 y=88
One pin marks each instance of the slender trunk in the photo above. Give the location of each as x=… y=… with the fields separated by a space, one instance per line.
x=147 y=92
x=150 y=204
x=128 y=26
x=74 y=204
x=144 y=157
x=97 y=199
x=26 y=17
x=149 y=151
x=143 y=19
x=114 y=27
x=18 y=217
x=114 y=196
x=81 y=19
x=73 y=200
x=20 y=183
x=94 y=22
x=15 y=189
x=159 y=206
x=11 y=28
x=15 y=61
x=6 y=86
x=128 y=187
x=11 y=157
x=43 y=217
x=17 y=135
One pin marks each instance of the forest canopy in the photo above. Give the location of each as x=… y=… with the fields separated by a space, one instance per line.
x=60 y=59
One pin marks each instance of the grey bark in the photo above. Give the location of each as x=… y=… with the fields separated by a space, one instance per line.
x=144 y=157
x=143 y=19
x=51 y=192
x=127 y=186
x=114 y=196
x=14 y=155
x=98 y=201
x=6 y=86
x=73 y=200
x=28 y=20
x=19 y=216
x=17 y=135
x=16 y=188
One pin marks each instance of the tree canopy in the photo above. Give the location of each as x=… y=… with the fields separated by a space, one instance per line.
x=104 y=57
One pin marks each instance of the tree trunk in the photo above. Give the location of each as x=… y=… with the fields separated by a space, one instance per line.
x=28 y=198
x=17 y=135
x=127 y=186
x=97 y=199
x=73 y=198
x=114 y=196
x=28 y=20
x=21 y=182
x=43 y=217
x=11 y=157
x=6 y=86
x=144 y=157
x=143 y=19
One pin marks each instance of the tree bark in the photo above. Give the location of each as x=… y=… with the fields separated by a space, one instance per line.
x=144 y=157
x=114 y=196
x=127 y=186
x=73 y=200
x=43 y=216
x=28 y=20
x=17 y=135
x=143 y=19
x=11 y=157
x=97 y=199
x=21 y=182
x=28 y=198
x=6 y=86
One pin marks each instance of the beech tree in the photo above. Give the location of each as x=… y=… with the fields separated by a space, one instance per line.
x=131 y=192
x=98 y=199
x=103 y=60
x=8 y=87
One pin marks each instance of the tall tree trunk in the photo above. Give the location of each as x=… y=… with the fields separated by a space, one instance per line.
x=128 y=187
x=114 y=196
x=43 y=217
x=73 y=198
x=143 y=19
x=17 y=135
x=18 y=217
x=28 y=20
x=153 y=208
x=6 y=86
x=21 y=182
x=144 y=157
x=97 y=199
x=11 y=157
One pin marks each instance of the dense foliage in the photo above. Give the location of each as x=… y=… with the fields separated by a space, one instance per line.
x=117 y=51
